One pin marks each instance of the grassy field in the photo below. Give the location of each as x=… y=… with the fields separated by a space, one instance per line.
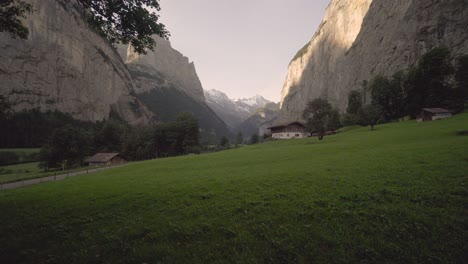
x=26 y=171
x=394 y=195
x=20 y=171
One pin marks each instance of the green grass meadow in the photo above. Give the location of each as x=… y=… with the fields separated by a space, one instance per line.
x=394 y=195
x=27 y=171
x=17 y=172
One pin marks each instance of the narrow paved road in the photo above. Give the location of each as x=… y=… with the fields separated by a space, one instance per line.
x=19 y=184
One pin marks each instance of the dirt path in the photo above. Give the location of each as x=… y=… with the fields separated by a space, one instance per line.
x=24 y=183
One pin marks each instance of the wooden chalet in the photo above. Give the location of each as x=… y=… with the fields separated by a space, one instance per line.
x=431 y=114
x=105 y=159
x=289 y=131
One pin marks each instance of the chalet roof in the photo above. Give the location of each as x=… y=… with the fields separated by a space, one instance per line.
x=436 y=110
x=287 y=125
x=102 y=157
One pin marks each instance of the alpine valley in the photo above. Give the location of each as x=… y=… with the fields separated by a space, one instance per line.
x=67 y=66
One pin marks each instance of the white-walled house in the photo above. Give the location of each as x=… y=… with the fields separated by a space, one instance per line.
x=289 y=131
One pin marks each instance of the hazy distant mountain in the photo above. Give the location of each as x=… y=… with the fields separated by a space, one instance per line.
x=252 y=104
x=260 y=120
x=234 y=112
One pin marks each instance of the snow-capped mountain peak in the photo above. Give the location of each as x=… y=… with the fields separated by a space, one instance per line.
x=233 y=112
x=256 y=101
x=215 y=95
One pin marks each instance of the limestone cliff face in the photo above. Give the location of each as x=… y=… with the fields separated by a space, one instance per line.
x=359 y=39
x=168 y=84
x=173 y=65
x=65 y=66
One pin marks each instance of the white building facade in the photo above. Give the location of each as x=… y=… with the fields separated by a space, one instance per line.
x=289 y=131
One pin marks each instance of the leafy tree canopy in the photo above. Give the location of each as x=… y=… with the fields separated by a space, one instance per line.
x=239 y=138
x=320 y=117
x=354 y=102
x=127 y=21
x=66 y=145
x=389 y=94
x=224 y=142
x=370 y=115
x=461 y=76
x=428 y=85
x=11 y=11
x=254 y=139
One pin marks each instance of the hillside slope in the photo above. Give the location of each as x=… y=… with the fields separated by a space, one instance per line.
x=168 y=102
x=359 y=39
x=393 y=195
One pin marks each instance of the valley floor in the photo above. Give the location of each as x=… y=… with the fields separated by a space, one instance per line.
x=394 y=195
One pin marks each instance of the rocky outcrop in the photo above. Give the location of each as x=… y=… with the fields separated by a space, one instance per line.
x=169 y=62
x=359 y=39
x=65 y=66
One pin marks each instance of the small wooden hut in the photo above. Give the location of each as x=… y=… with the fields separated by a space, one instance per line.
x=431 y=114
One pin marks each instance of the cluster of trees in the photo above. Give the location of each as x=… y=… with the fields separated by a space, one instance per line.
x=11 y=157
x=32 y=128
x=321 y=117
x=359 y=114
x=439 y=80
x=66 y=141
x=225 y=143
x=70 y=145
x=11 y=13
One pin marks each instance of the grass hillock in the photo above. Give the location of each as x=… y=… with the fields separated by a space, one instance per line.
x=394 y=195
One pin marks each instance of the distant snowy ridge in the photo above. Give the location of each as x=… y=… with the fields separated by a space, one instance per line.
x=256 y=101
x=234 y=112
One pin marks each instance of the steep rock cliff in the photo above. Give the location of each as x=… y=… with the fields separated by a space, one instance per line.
x=65 y=66
x=172 y=64
x=167 y=83
x=359 y=39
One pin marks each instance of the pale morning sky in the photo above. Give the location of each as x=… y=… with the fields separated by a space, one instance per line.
x=242 y=47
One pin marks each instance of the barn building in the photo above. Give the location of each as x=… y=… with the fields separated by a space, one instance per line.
x=289 y=131
x=431 y=114
x=105 y=159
